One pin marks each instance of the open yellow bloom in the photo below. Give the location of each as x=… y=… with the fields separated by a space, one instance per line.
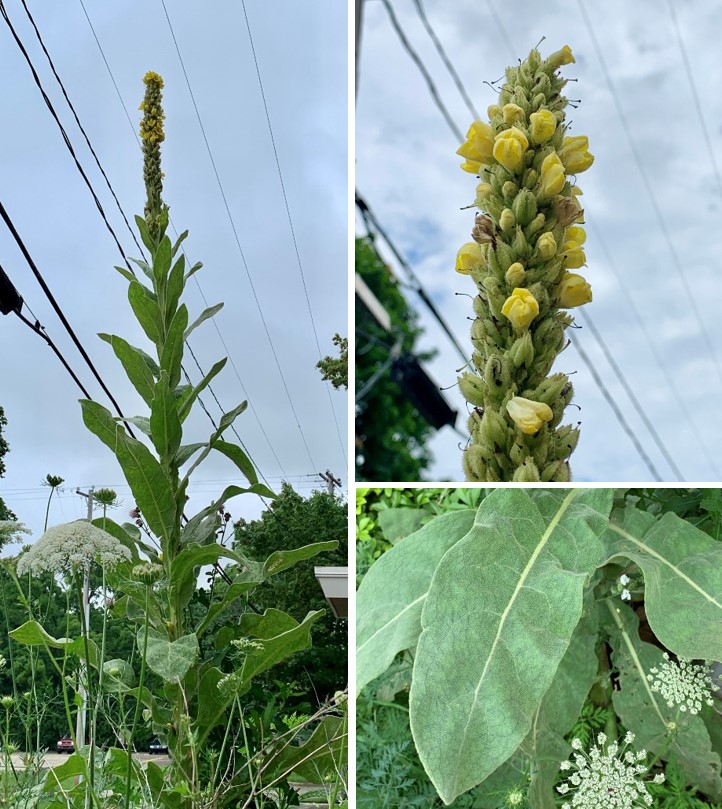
x=529 y=416
x=492 y=110
x=574 y=258
x=521 y=308
x=574 y=291
x=575 y=154
x=574 y=237
x=509 y=148
x=547 y=245
x=472 y=166
x=478 y=144
x=469 y=257
x=562 y=57
x=552 y=176
x=543 y=126
x=512 y=113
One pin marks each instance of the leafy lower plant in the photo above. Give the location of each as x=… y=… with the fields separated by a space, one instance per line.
x=525 y=654
x=194 y=696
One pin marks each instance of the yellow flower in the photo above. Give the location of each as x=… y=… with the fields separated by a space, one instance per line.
x=547 y=245
x=521 y=308
x=529 y=416
x=469 y=257
x=492 y=110
x=151 y=76
x=562 y=57
x=552 y=176
x=543 y=126
x=472 y=166
x=575 y=154
x=574 y=237
x=574 y=291
x=512 y=113
x=515 y=274
x=478 y=144
x=509 y=148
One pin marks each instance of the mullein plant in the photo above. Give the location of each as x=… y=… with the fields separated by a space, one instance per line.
x=527 y=246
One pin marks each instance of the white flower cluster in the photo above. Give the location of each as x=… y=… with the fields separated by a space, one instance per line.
x=72 y=546
x=10 y=531
x=685 y=684
x=613 y=779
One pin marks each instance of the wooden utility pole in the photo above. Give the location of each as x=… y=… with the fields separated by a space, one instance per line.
x=331 y=481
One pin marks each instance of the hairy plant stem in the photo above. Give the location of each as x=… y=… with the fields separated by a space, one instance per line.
x=141 y=682
x=88 y=689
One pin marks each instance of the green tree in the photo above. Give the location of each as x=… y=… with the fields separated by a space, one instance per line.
x=391 y=434
x=335 y=369
x=5 y=513
x=291 y=522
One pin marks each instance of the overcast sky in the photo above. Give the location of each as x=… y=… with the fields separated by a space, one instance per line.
x=302 y=54
x=408 y=173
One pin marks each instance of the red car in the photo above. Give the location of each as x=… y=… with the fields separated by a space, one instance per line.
x=65 y=745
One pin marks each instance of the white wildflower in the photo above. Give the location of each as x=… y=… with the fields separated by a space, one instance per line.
x=626 y=595
x=624 y=579
x=684 y=684
x=10 y=531
x=613 y=779
x=72 y=546
x=247 y=645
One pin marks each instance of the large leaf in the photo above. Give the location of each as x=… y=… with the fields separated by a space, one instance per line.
x=502 y=607
x=682 y=569
x=31 y=633
x=147 y=311
x=397 y=523
x=646 y=713
x=200 y=387
x=239 y=458
x=241 y=584
x=183 y=576
x=150 y=485
x=391 y=595
x=172 y=354
x=135 y=365
x=165 y=426
x=322 y=755
x=282 y=560
x=169 y=659
x=204 y=315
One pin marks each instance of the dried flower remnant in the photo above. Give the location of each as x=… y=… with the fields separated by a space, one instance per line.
x=528 y=243
x=683 y=684
x=71 y=547
x=613 y=779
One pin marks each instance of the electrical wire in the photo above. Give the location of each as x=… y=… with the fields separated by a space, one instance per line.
x=290 y=222
x=408 y=47
x=56 y=306
x=237 y=239
x=666 y=232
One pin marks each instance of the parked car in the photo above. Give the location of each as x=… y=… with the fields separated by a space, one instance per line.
x=157 y=747
x=65 y=745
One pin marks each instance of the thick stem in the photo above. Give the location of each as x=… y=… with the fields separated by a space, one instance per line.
x=141 y=682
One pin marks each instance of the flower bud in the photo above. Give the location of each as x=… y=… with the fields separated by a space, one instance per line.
x=472 y=388
x=575 y=154
x=546 y=245
x=524 y=207
x=492 y=110
x=520 y=308
x=543 y=126
x=535 y=225
x=552 y=176
x=512 y=114
x=472 y=166
x=7 y=702
x=493 y=429
x=529 y=416
x=574 y=258
x=484 y=230
x=475 y=463
x=483 y=192
x=527 y=472
x=561 y=57
x=478 y=144
x=510 y=147
x=506 y=220
x=574 y=291
x=531 y=178
x=515 y=274
x=522 y=351
x=148 y=573
x=509 y=191
x=469 y=258
x=551 y=389
x=497 y=373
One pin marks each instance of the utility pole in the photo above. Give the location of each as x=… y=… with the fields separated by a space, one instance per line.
x=331 y=481
x=83 y=710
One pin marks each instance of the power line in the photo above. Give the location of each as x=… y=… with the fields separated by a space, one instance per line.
x=369 y=217
x=655 y=205
x=502 y=28
x=290 y=222
x=617 y=412
x=445 y=59
x=237 y=239
x=59 y=312
x=408 y=47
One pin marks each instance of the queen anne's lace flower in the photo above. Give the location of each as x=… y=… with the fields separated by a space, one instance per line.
x=72 y=546
x=10 y=531
x=684 y=684
x=613 y=779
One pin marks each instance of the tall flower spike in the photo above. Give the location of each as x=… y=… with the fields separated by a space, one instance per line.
x=152 y=135
x=613 y=779
x=532 y=240
x=683 y=684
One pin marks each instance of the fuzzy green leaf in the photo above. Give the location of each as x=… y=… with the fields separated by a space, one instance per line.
x=239 y=458
x=187 y=404
x=179 y=242
x=161 y=262
x=241 y=584
x=320 y=757
x=134 y=364
x=175 y=287
x=150 y=485
x=204 y=315
x=31 y=633
x=397 y=523
x=391 y=595
x=682 y=569
x=498 y=619
x=172 y=354
x=147 y=312
x=183 y=570
x=282 y=560
x=169 y=659
x=144 y=233
x=165 y=426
